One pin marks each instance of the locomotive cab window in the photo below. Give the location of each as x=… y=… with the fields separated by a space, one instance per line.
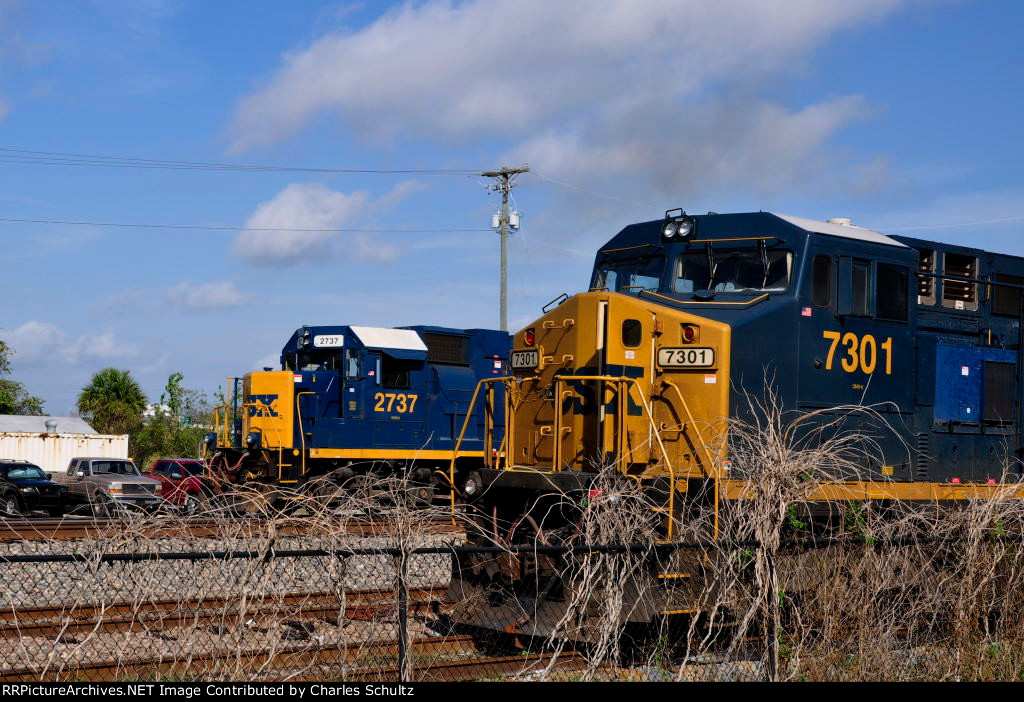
x=891 y=292
x=632 y=333
x=861 y=288
x=396 y=372
x=352 y=363
x=733 y=270
x=821 y=293
x=320 y=361
x=630 y=276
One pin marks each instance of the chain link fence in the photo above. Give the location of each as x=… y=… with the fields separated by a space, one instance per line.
x=835 y=608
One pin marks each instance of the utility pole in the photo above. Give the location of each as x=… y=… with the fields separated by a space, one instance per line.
x=505 y=181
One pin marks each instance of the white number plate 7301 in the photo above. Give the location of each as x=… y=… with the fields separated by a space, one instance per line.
x=528 y=358
x=693 y=357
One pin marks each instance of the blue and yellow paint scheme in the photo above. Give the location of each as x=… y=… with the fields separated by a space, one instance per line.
x=681 y=336
x=350 y=402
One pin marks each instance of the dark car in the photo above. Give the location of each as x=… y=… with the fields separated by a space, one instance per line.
x=24 y=487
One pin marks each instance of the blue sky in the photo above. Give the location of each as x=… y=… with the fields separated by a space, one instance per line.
x=903 y=115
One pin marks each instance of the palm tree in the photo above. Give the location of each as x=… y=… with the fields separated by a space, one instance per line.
x=113 y=402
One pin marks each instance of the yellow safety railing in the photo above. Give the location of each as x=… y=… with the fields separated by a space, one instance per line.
x=624 y=385
x=302 y=432
x=490 y=382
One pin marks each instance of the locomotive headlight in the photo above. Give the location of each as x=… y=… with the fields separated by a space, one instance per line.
x=530 y=337
x=470 y=487
x=678 y=224
x=252 y=440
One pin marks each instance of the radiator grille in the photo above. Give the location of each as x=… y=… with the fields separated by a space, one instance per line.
x=922 y=461
x=446 y=348
x=959 y=290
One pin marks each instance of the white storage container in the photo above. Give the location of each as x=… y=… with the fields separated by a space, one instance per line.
x=53 y=452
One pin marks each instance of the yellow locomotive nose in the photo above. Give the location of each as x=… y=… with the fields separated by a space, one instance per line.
x=610 y=379
x=269 y=398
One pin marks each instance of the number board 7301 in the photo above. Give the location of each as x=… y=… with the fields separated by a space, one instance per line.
x=691 y=357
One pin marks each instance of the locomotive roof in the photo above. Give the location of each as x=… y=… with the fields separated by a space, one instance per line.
x=847 y=231
x=380 y=337
x=749 y=224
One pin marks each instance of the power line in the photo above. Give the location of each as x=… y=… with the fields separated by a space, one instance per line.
x=596 y=193
x=440 y=230
x=57 y=158
x=952 y=226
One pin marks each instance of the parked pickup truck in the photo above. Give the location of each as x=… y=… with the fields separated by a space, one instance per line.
x=108 y=484
x=183 y=482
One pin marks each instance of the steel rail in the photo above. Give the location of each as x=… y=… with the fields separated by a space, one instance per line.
x=250 y=661
x=173 y=614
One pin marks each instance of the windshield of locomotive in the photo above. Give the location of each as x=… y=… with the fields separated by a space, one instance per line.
x=741 y=271
x=630 y=276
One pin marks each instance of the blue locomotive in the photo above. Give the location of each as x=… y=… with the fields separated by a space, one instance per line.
x=694 y=322
x=351 y=403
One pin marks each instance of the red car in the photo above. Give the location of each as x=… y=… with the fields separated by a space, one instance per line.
x=183 y=482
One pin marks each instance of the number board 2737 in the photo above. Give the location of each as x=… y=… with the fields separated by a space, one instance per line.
x=691 y=357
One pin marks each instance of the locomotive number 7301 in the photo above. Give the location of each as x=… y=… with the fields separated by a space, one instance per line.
x=861 y=352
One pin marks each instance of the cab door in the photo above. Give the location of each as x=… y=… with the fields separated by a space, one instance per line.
x=856 y=342
x=628 y=353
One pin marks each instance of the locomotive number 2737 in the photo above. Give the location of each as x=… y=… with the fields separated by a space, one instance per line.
x=394 y=402
x=861 y=352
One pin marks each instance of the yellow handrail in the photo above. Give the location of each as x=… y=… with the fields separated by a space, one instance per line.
x=302 y=432
x=465 y=425
x=623 y=405
x=702 y=445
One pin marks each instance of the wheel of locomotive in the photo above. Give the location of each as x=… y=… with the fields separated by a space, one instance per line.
x=323 y=494
x=417 y=496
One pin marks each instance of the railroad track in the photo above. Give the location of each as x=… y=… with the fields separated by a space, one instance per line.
x=160 y=615
x=296 y=658
x=70 y=529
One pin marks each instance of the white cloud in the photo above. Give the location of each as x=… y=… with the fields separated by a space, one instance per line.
x=41 y=342
x=313 y=206
x=678 y=98
x=513 y=66
x=756 y=144
x=205 y=296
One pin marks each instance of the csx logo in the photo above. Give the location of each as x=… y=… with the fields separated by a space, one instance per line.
x=261 y=405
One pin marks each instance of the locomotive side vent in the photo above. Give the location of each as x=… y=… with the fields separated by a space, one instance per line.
x=925 y=283
x=446 y=348
x=960 y=294
x=922 y=460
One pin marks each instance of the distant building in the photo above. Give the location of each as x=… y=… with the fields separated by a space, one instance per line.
x=51 y=442
x=20 y=424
